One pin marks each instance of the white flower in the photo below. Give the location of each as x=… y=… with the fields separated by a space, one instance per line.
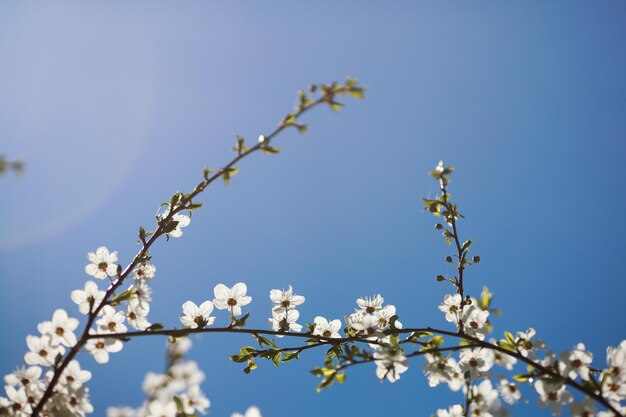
x=182 y=221
x=102 y=264
x=90 y=296
x=197 y=317
x=152 y=383
x=78 y=402
x=112 y=321
x=476 y=361
x=136 y=314
x=41 y=351
x=231 y=299
x=369 y=305
x=363 y=322
x=509 y=391
x=485 y=397
x=100 y=348
x=502 y=359
x=454 y=411
x=451 y=306
x=179 y=346
x=584 y=409
x=438 y=369
x=552 y=395
x=474 y=322
x=23 y=376
x=251 y=412
x=284 y=321
x=390 y=363
x=60 y=329
x=383 y=316
x=141 y=291
x=74 y=377
x=17 y=401
x=616 y=361
x=194 y=400
x=146 y=271
x=121 y=412
x=188 y=373
x=159 y=409
x=526 y=346
x=576 y=363
x=613 y=389
x=285 y=299
x=325 y=328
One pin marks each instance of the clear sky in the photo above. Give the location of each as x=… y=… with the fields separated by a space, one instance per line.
x=116 y=105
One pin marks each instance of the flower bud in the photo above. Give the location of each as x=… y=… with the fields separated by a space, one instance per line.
x=476 y=259
x=449 y=258
x=438 y=226
x=440 y=278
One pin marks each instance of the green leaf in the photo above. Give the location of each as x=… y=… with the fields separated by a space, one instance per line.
x=155 y=327
x=251 y=366
x=291 y=356
x=522 y=377
x=179 y=405
x=336 y=107
x=125 y=296
x=509 y=338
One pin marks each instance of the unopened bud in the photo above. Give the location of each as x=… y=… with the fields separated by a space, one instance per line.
x=438 y=226
x=440 y=278
x=449 y=258
x=476 y=259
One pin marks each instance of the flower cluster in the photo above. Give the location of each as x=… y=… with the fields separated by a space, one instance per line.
x=231 y=299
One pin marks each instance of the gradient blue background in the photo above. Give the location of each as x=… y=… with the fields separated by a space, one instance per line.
x=116 y=105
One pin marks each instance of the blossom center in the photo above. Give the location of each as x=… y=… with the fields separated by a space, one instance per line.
x=473 y=325
x=577 y=363
x=199 y=320
x=16 y=406
x=70 y=378
x=327 y=333
x=43 y=352
x=285 y=303
x=454 y=309
x=102 y=266
x=473 y=363
x=25 y=381
x=132 y=315
x=100 y=345
x=232 y=302
x=528 y=345
x=512 y=388
x=59 y=331
x=370 y=310
x=111 y=326
x=553 y=396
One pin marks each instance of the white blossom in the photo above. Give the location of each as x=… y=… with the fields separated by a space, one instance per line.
x=160 y=409
x=41 y=351
x=145 y=271
x=136 y=314
x=194 y=400
x=383 y=317
x=362 y=322
x=251 y=412
x=141 y=291
x=509 y=391
x=476 y=361
x=111 y=320
x=390 y=363
x=575 y=363
x=502 y=359
x=23 y=376
x=451 y=306
x=369 y=305
x=485 y=398
x=179 y=346
x=616 y=361
x=154 y=382
x=73 y=377
x=231 y=299
x=285 y=299
x=60 y=329
x=526 y=346
x=182 y=221
x=77 y=402
x=613 y=389
x=552 y=395
x=584 y=409
x=284 y=321
x=474 y=322
x=16 y=401
x=102 y=263
x=455 y=410
x=188 y=373
x=121 y=412
x=326 y=328
x=90 y=296
x=100 y=348
x=438 y=369
x=197 y=317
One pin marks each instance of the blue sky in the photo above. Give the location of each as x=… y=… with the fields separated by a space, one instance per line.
x=116 y=105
